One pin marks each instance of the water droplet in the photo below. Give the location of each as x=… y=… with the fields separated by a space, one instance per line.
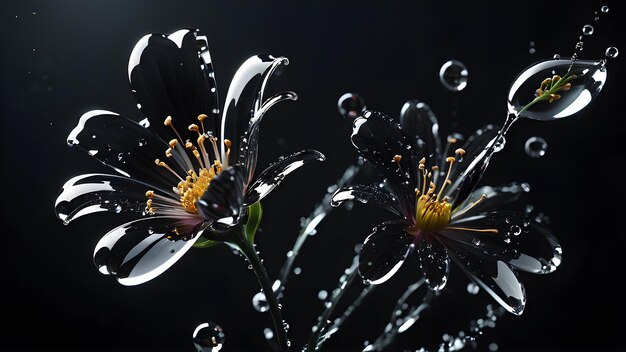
x=477 y=242
x=604 y=9
x=92 y=152
x=472 y=288
x=588 y=29
x=118 y=208
x=500 y=143
x=516 y=230
x=586 y=80
x=556 y=56
x=536 y=147
x=297 y=270
x=142 y=142
x=259 y=302
x=322 y=295
x=611 y=52
x=120 y=156
x=453 y=75
x=208 y=337
x=351 y=105
x=268 y=333
x=532 y=50
x=493 y=347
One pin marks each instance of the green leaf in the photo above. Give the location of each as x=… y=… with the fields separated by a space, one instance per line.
x=205 y=243
x=255 y=212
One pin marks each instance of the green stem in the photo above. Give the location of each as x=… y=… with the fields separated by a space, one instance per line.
x=249 y=251
x=546 y=95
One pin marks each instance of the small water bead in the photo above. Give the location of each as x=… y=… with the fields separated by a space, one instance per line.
x=604 y=9
x=453 y=75
x=588 y=29
x=611 y=52
x=259 y=302
x=268 y=333
x=516 y=230
x=500 y=143
x=208 y=337
x=556 y=56
x=472 y=288
x=142 y=142
x=297 y=270
x=322 y=295
x=493 y=347
x=536 y=147
x=350 y=105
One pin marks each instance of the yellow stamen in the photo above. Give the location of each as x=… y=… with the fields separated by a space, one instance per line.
x=168 y=122
x=163 y=164
x=472 y=205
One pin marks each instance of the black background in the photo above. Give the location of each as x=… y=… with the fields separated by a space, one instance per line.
x=61 y=58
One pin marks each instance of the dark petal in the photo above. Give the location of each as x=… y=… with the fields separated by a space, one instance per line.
x=141 y=250
x=94 y=193
x=173 y=76
x=379 y=140
x=244 y=108
x=384 y=251
x=493 y=275
x=434 y=262
x=271 y=177
x=127 y=147
x=420 y=125
x=494 y=197
x=524 y=244
x=367 y=194
x=222 y=202
x=467 y=170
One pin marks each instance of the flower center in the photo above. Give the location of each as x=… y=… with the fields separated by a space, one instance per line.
x=433 y=212
x=193 y=185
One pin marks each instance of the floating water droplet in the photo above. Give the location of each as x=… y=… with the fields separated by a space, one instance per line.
x=588 y=29
x=472 y=288
x=322 y=295
x=453 y=75
x=268 y=333
x=259 y=302
x=120 y=156
x=586 y=79
x=477 y=242
x=493 y=347
x=208 y=337
x=118 y=208
x=536 y=147
x=516 y=230
x=604 y=9
x=297 y=270
x=142 y=142
x=611 y=52
x=350 y=105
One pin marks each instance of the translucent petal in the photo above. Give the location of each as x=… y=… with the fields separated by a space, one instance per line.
x=127 y=147
x=381 y=141
x=434 y=262
x=140 y=250
x=94 y=193
x=493 y=275
x=494 y=197
x=271 y=177
x=365 y=194
x=384 y=251
x=222 y=202
x=244 y=108
x=467 y=169
x=420 y=125
x=520 y=242
x=172 y=75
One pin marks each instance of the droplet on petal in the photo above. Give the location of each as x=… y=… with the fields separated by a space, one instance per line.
x=351 y=105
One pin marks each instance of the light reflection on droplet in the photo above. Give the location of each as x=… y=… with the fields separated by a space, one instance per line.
x=536 y=147
x=611 y=52
x=259 y=302
x=208 y=337
x=350 y=105
x=453 y=75
x=472 y=288
x=588 y=29
x=604 y=9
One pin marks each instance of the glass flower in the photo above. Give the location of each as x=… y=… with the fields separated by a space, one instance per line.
x=422 y=184
x=183 y=186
